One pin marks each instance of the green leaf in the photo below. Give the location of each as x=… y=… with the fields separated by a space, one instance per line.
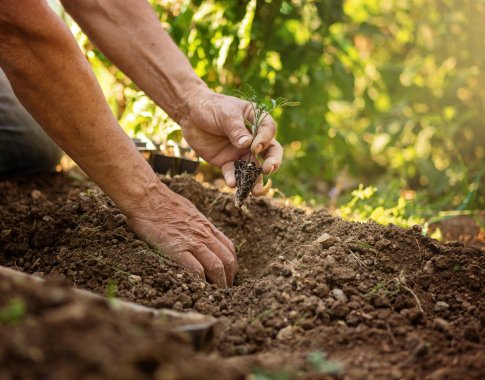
x=11 y=313
x=290 y=104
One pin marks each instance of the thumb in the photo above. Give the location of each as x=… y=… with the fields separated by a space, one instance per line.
x=238 y=134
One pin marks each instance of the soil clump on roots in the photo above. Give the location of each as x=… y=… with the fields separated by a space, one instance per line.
x=382 y=301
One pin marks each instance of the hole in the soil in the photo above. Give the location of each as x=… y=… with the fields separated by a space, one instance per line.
x=254 y=263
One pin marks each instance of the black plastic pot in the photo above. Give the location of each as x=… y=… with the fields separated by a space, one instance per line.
x=139 y=143
x=173 y=165
x=165 y=164
x=187 y=166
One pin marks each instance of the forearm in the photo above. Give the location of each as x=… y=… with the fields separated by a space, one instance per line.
x=131 y=36
x=56 y=85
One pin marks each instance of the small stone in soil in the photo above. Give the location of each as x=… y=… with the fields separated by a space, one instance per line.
x=339 y=295
x=326 y=240
x=441 y=306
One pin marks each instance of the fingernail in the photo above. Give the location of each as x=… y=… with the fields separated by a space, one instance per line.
x=271 y=170
x=259 y=148
x=243 y=140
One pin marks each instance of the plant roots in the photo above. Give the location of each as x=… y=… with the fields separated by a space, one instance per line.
x=247 y=174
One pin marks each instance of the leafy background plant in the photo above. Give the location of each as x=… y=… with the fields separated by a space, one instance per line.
x=391 y=94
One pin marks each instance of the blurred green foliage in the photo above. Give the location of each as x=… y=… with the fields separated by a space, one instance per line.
x=391 y=92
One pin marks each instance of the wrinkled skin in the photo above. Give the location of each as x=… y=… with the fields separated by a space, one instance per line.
x=188 y=238
x=54 y=82
x=215 y=129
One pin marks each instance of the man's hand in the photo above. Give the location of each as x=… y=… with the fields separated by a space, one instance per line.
x=214 y=128
x=54 y=82
x=212 y=124
x=173 y=225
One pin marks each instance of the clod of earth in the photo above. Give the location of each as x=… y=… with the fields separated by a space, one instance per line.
x=385 y=302
x=247 y=174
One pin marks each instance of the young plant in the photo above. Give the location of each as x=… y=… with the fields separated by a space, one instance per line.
x=319 y=362
x=248 y=171
x=14 y=311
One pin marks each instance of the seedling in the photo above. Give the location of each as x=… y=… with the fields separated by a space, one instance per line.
x=11 y=313
x=111 y=289
x=319 y=362
x=247 y=171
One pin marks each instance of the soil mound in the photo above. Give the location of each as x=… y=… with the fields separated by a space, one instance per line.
x=381 y=301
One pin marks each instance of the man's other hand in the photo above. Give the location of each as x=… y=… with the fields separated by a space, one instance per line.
x=170 y=223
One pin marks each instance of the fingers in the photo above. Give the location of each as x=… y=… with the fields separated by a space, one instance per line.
x=258 y=187
x=188 y=261
x=212 y=264
x=264 y=138
x=228 y=172
x=227 y=258
x=225 y=240
x=272 y=161
x=272 y=157
x=237 y=132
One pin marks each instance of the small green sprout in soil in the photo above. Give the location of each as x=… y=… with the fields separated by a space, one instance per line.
x=111 y=289
x=319 y=362
x=12 y=312
x=247 y=171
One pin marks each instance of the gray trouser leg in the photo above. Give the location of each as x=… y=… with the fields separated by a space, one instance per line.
x=24 y=147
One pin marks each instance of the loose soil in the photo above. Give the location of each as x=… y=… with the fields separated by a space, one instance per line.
x=382 y=301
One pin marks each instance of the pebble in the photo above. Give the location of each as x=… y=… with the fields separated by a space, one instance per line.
x=292 y=314
x=339 y=295
x=134 y=278
x=36 y=194
x=285 y=296
x=288 y=332
x=441 y=306
x=429 y=267
x=326 y=241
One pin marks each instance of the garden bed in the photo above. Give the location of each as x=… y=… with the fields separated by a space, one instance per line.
x=382 y=302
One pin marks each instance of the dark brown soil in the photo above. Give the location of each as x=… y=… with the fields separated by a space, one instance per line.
x=384 y=302
x=49 y=332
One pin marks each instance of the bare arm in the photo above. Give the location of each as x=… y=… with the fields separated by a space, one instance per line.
x=56 y=85
x=131 y=36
